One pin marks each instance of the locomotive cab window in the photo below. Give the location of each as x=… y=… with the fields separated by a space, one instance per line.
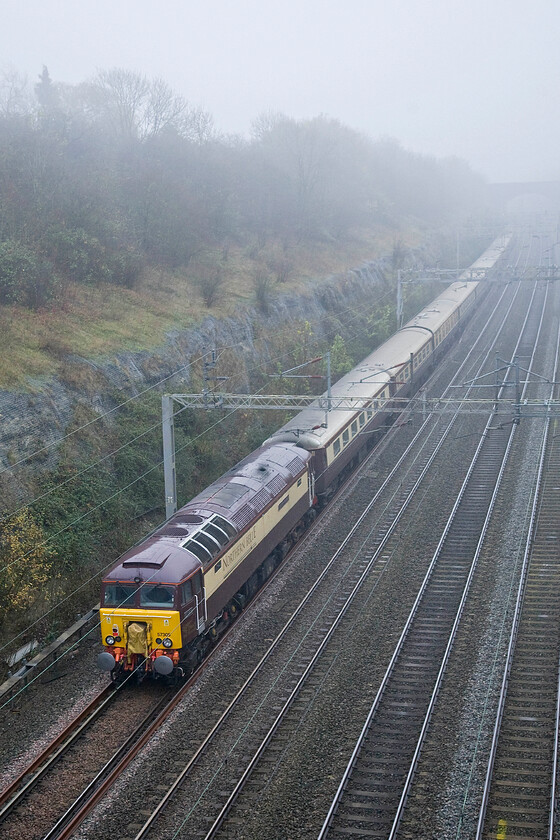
x=119 y=595
x=190 y=588
x=156 y=595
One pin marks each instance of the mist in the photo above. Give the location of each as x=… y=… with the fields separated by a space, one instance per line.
x=476 y=81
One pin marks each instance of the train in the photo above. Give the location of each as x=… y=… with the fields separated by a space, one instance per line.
x=166 y=601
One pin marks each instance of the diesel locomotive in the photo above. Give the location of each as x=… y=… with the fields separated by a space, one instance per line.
x=166 y=601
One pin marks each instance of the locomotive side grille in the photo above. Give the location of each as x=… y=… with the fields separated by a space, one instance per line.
x=243 y=516
x=295 y=466
x=261 y=499
x=276 y=485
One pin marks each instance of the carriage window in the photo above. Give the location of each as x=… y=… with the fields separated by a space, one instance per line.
x=336 y=446
x=119 y=595
x=362 y=418
x=345 y=437
x=354 y=428
x=156 y=596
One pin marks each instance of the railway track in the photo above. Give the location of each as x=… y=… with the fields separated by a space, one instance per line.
x=519 y=796
x=369 y=556
x=20 y=786
x=41 y=800
x=374 y=789
x=212 y=776
x=373 y=792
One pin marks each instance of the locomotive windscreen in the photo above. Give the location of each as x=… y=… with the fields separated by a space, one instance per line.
x=119 y=595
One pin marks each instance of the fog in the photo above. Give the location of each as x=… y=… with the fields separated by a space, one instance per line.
x=476 y=80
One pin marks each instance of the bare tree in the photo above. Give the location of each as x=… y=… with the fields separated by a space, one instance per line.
x=122 y=95
x=197 y=125
x=136 y=107
x=161 y=109
x=15 y=99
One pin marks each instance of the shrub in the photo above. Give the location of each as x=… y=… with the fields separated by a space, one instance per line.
x=125 y=268
x=263 y=284
x=80 y=256
x=25 y=278
x=26 y=563
x=210 y=281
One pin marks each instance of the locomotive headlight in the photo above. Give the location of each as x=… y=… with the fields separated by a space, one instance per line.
x=158 y=641
x=110 y=640
x=167 y=643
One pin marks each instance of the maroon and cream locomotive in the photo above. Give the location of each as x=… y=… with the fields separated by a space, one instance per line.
x=168 y=598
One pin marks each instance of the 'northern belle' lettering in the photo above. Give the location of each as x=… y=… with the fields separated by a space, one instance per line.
x=241 y=549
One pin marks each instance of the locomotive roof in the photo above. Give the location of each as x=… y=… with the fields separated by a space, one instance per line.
x=231 y=503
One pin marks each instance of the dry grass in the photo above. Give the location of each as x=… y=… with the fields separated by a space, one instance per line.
x=97 y=321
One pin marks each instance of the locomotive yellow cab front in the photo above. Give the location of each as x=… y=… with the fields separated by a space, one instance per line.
x=137 y=631
x=131 y=637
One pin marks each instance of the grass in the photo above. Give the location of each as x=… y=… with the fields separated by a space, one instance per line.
x=93 y=322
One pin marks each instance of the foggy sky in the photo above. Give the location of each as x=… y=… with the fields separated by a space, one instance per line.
x=478 y=79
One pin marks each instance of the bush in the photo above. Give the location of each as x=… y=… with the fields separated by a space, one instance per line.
x=26 y=563
x=210 y=281
x=125 y=268
x=84 y=258
x=79 y=256
x=263 y=283
x=25 y=278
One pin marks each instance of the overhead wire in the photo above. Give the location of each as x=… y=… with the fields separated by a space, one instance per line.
x=155 y=385
x=139 y=478
x=98 y=623
x=60 y=484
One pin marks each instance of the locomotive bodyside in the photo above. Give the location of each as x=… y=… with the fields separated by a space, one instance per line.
x=168 y=597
